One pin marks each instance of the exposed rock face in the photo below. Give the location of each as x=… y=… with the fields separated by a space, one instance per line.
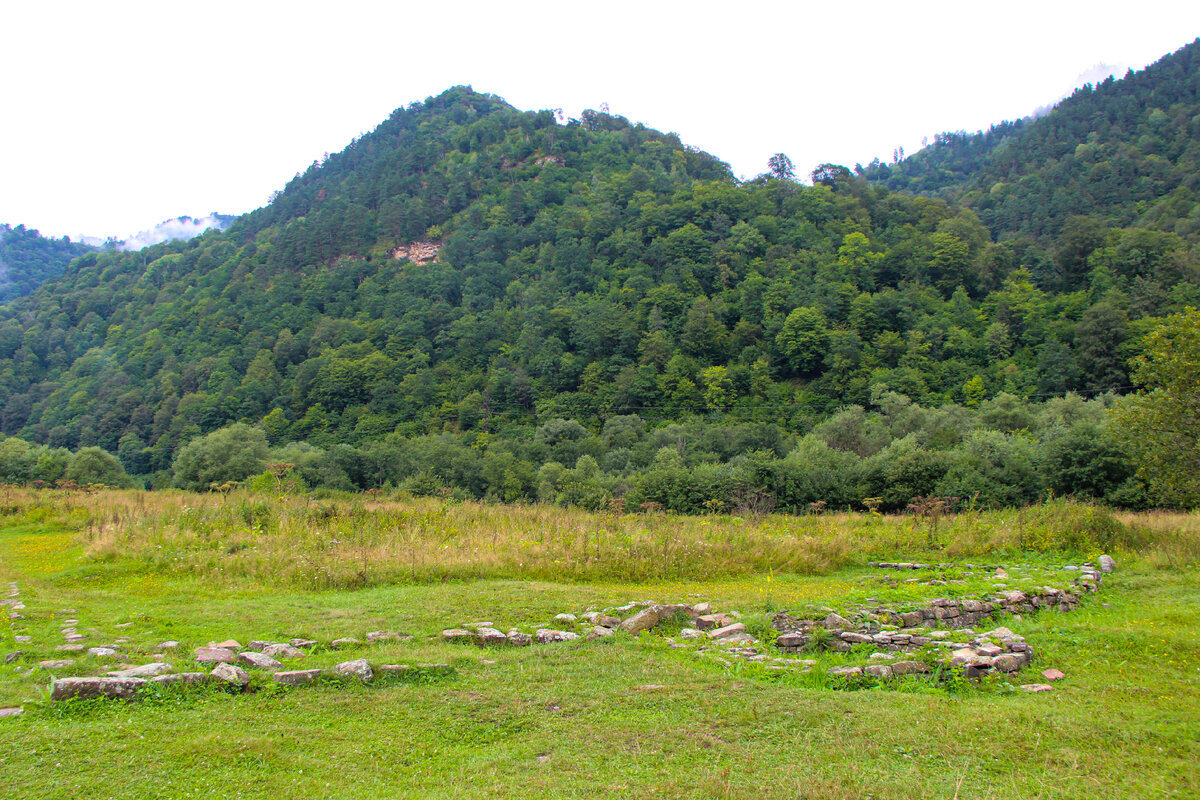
x=91 y=688
x=417 y=252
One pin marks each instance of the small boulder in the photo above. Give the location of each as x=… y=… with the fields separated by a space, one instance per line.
x=259 y=660
x=302 y=642
x=1007 y=662
x=282 y=651
x=608 y=621
x=54 y=664
x=347 y=641
x=228 y=644
x=644 y=620
x=101 y=652
x=727 y=631
x=170 y=644
x=70 y=648
x=182 y=677
x=490 y=637
x=1107 y=564
x=230 y=674
x=296 y=677
x=547 y=636
x=878 y=671
x=215 y=655
x=599 y=632
x=1052 y=675
x=518 y=639
x=568 y=618
x=835 y=621
x=458 y=635
x=1036 y=687
x=384 y=636
x=358 y=668
x=845 y=672
x=910 y=668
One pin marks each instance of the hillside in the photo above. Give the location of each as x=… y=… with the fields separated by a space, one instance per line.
x=474 y=271
x=28 y=259
x=1125 y=152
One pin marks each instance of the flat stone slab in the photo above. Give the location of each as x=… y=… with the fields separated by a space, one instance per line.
x=458 y=635
x=259 y=660
x=350 y=641
x=101 y=652
x=228 y=644
x=15 y=711
x=296 y=677
x=385 y=636
x=302 y=642
x=70 y=648
x=144 y=671
x=1052 y=675
x=215 y=655
x=167 y=645
x=359 y=668
x=547 y=636
x=727 y=631
x=230 y=674
x=518 y=639
x=490 y=637
x=1036 y=687
x=91 y=688
x=61 y=663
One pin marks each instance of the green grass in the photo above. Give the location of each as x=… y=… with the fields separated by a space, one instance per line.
x=572 y=720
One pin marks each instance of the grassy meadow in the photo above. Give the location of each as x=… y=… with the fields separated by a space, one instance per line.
x=623 y=716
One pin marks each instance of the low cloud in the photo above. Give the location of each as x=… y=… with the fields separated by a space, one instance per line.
x=178 y=228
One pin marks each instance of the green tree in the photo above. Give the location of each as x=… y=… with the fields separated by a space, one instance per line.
x=93 y=465
x=804 y=340
x=229 y=454
x=1160 y=426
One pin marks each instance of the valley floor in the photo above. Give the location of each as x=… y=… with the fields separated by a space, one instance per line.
x=622 y=716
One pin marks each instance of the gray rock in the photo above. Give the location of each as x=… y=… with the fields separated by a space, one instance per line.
x=878 y=671
x=14 y=711
x=599 y=632
x=910 y=668
x=170 y=644
x=359 y=668
x=384 y=636
x=182 y=677
x=70 y=648
x=690 y=633
x=257 y=645
x=350 y=641
x=490 y=637
x=547 y=636
x=458 y=635
x=1107 y=564
x=282 y=651
x=53 y=664
x=845 y=672
x=1007 y=662
x=707 y=622
x=302 y=642
x=854 y=638
x=215 y=655
x=836 y=622
x=989 y=650
x=296 y=677
x=228 y=644
x=101 y=652
x=230 y=674
x=144 y=671
x=1036 y=687
x=608 y=621
x=644 y=620
x=91 y=688
x=727 y=631
x=518 y=639
x=565 y=617
x=259 y=660
x=13 y=656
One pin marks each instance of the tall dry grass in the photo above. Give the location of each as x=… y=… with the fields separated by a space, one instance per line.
x=359 y=540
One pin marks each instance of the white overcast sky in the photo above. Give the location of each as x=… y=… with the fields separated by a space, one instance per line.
x=117 y=115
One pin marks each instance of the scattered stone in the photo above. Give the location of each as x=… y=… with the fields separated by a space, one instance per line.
x=691 y=633
x=599 y=632
x=228 y=644
x=650 y=688
x=13 y=656
x=23 y=639
x=701 y=609
x=836 y=621
x=350 y=641
x=215 y=655
x=257 y=645
x=1000 y=573
x=15 y=711
x=282 y=651
x=547 y=636
x=359 y=668
x=70 y=648
x=1007 y=662
x=727 y=631
x=90 y=688
x=302 y=642
x=1052 y=675
x=489 y=637
x=296 y=677
x=1107 y=564
x=644 y=620
x=144 y=671
x=101 y=652
x=52 y=664
x=182 y=677
x=382 y=636
x=1036 y=687
x=123 y=625
x=230 y=674
x=608 y=622
x=518 y=639
x=565 y=617
x=845 y=672
x=74 y=637
x=458 y=635
x=170 y=644
x=259 y=660
x=878 y=671
x=910 y=668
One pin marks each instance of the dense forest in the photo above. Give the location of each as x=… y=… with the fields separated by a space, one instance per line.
x=28 y=259
x=481 y=301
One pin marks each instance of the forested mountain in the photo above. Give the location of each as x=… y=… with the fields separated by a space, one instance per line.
x=1125 y=153
x=472 y=295
x=27 y=259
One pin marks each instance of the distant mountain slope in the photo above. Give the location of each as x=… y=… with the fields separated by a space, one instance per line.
x=27 y=259
x=473 y=268
x=1126 y=151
